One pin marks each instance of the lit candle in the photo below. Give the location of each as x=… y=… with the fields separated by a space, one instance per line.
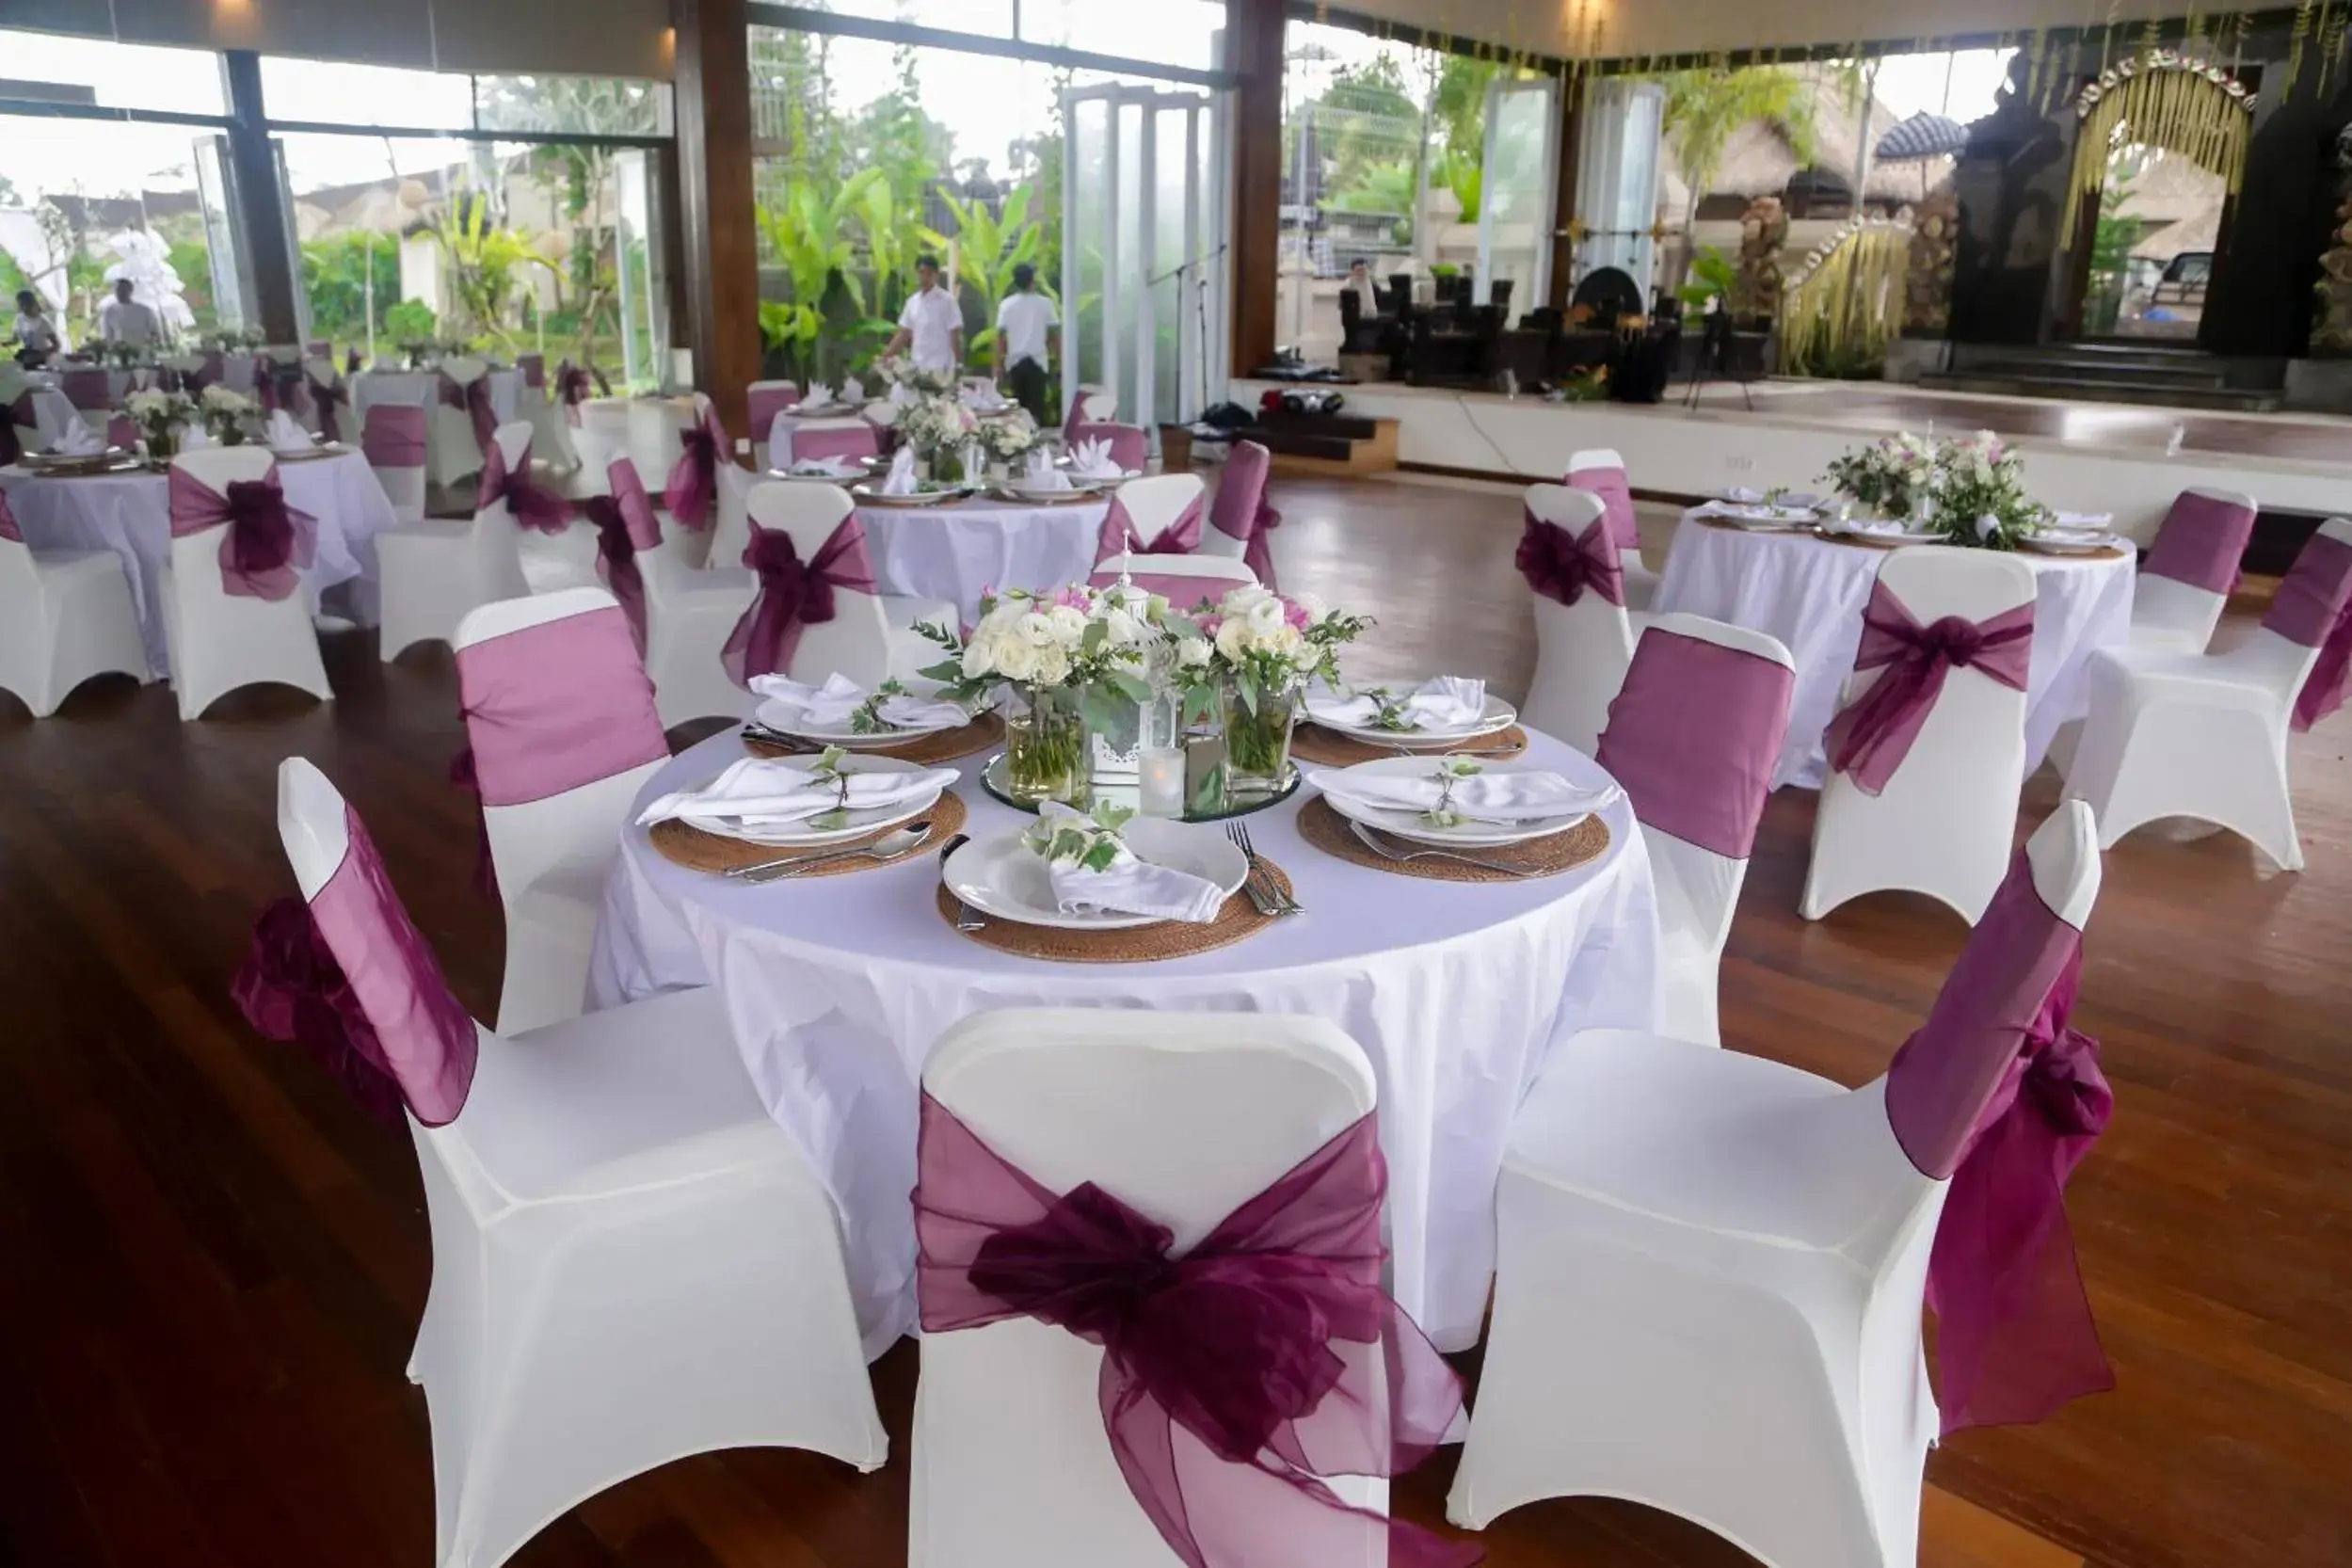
x=1159 y=777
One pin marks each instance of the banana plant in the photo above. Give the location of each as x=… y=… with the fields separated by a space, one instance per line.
x=989 y=246
x=809 y=234
x=484 y=258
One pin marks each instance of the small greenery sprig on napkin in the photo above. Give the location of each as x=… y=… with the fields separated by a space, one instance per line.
x=1093 y=841
x=827 y=771
x=1395 y=710
x=867 y=719
x=1450 y=771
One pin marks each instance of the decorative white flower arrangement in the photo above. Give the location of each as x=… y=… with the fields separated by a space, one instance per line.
x=1009 y=437
x=226 y=413
x=1093 y=639
x=1971 y=489
x=153 y=410
x=1891 y=476
x=1265 y=644
x=901 y=371
x=937 y=426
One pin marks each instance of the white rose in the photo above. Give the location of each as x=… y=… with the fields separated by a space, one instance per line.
x=977 y=659
x=1241 y=600
x=1233 y=640
x=1317 y=611
x=1192 y=652
x=1018 y=659
x=1054 y=667
x=1034 y=628
x=1120 y=628
x=1068 y=624
x=1267 y=618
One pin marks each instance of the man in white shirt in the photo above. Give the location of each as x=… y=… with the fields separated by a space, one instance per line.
x=35 y=334
x=1028 y=332
x=123 y=319
x=933 y=322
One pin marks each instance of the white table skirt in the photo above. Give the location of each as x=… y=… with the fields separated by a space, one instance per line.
x=837 y=988
x=421 y=389
x=127 y=515
x=954 y=553
x=1811 y=594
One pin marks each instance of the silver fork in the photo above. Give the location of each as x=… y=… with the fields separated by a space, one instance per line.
x=1456 y=751
x=1264 y=891
x=967 y=917
x=1372 y=841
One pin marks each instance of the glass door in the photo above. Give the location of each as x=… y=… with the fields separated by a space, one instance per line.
x=1617 y=176
x=643 y=327
x=1144 y=242
x=216 y=192
x=1521 y=177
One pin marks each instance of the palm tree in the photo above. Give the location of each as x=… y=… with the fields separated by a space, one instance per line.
x=1704 y=108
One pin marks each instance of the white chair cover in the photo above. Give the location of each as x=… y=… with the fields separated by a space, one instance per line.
x=63 y=620
x=435 y=572
x=219 y=642
x=1582 y=650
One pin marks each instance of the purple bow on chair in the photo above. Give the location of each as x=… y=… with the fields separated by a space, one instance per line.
x=328 y=399
x=1119 y=536
x=2314 y=607
x=291 y=988
x=1236 y=1378
x=792 y=594
x=693 y=482
x=625 y=524
x=2015 y=1338
x=475 y=398
x=1561 y=566
x=533 y=505
x=1871 y=738
x=572 y=389
x=266 y=540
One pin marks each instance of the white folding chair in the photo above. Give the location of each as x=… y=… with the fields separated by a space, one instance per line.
x=1693 y=738
x=453 y=450
x=1709 y=1283
x=763 y=402
x=435 y=572
x=1011 y=1466
x=526 y=667
x=219 y=642
x=632 y=1262
x=2204 y=735
x=1582 y=650
x=871 y=637
x=1944 y=824
x=2183 y=585
x=64 y=617
x=1603 y=472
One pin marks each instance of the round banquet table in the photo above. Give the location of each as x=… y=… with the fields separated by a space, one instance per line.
x=126 y=514
x=836 y=989
x=955 y=552
x=1810 y=592
x=421 y=389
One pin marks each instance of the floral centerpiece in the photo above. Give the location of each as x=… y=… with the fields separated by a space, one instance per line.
x=1892 y=475
x=1253 y=653
x=160 y=416
x=908 y=379
x=1055 y=655
x=939 y=430
x=1009 y=437
x=229 y=415
x=1980 y=496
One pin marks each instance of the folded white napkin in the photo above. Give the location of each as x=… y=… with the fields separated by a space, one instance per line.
x=285 y=433
x=1040 y=473
x=1756 y=511
x=827 y=468
x=818 y=395
x=902 y=395
x=763 y=791
x=900 y=479
x=1494 y=795
x=791 y=704
x=1130 y=886
x=982 y=400
x=1091 y=459
x=75 y=439
x=1743 y=495
x=1447 y=702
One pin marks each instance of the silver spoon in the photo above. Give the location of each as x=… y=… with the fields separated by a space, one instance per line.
x=890 y=846
x=1371 y=840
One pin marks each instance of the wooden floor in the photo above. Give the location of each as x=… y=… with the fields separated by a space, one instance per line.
x=211 y=1266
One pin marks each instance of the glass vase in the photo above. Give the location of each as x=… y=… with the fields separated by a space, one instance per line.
x=163 y=444
x=1258 y=743
x=1045 y=748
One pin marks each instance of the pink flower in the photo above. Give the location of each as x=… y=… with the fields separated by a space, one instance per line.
x=1295 y=613
x=1071 y=596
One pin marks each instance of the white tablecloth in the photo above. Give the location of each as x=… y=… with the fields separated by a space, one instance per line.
x=1811 y=592
x=954 y=553
x=126 y=514
x=837 y=988
x=421 y=389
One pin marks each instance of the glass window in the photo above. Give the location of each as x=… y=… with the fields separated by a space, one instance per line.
x=988 y=18
x=82 y=204
x=111 y=75
x=331 y=93
x=1164 y=32
x=585 y=105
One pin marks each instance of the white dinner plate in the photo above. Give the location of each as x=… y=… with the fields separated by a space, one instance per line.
x=1408 y=825
x=1500 y=715
x=771 y=714
x=1762 y=519
x=1021 y=491
x=1001 y=877
x=2069 y=543
x=866 y=821
x=826 y=410
x=1839 y=527
x=856 y=474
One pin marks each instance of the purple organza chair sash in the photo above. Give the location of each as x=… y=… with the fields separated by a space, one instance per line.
x=1870 y=738
x=533 y=368
x=2314 y=608
x=317 y=349
x=556 y=706
x=572 y=389
x=393 y=436
x=351 y=980
x=267 y=543
x=1242 y=510
x=762 y=404
x=861 y=440
x=123 y=431
x=8 y=528
x=1997 y=1093
x=1694 y=736
x=792 y=594
x=280 y=386
x=2201 y=541
x=625 y=524
x=693 y=482
x=1616 y=504
x=87 y=389
x=533 y=505
x=20 y=413
x=1236 y=1378
x=1119 y=536
x=475 y=398
x=1561 y=566
x=328 y=397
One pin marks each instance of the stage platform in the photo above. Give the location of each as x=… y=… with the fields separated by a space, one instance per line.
x=2080 y=457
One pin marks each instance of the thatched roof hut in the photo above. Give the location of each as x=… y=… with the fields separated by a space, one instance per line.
x=1758 y=161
